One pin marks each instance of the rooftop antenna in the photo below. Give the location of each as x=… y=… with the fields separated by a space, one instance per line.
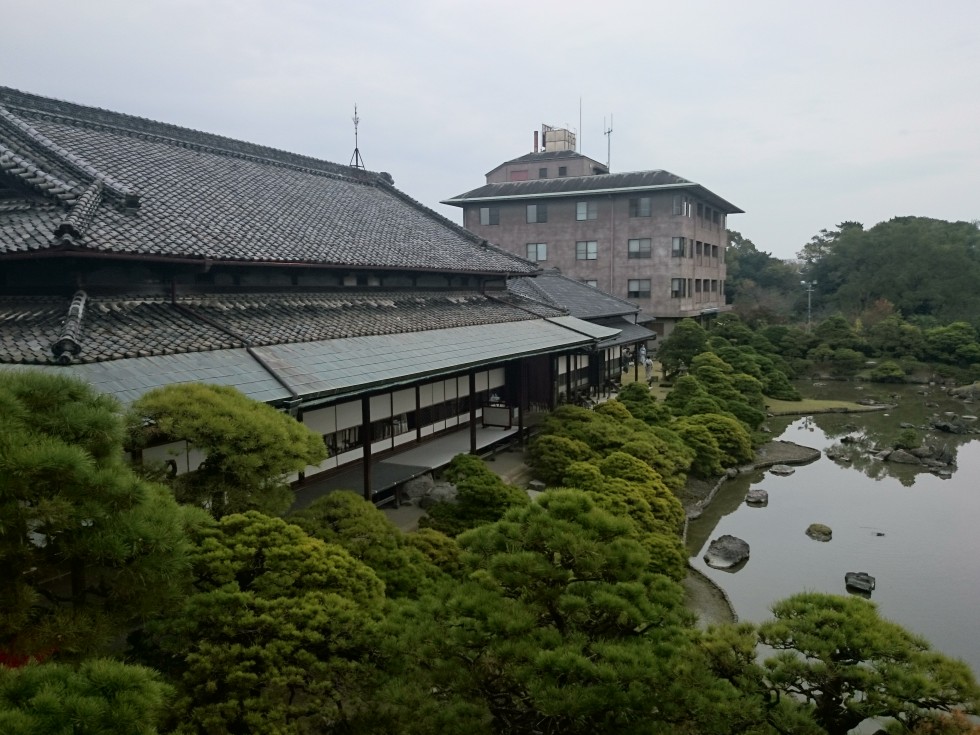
x=608 y=134
x=356 y=161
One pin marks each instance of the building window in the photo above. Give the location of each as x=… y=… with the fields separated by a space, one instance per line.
x=537 y=251
x=588 y=250
x=714 y=286
x=682 y=205
x=591 y=282
x=489 y=215
x=714 y=252
x=563 y=170
x=678 y=247
x=699 y=250
x=518 y=175
x=638 y=288
x=677 y=288
x=586 y=210
x=537 y=213
x=639 y=248
x=700 y=211
x=640 y=207
x=542 y=173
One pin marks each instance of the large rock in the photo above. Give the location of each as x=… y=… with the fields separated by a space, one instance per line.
x=782 y=469
x=949 y=423
x=441 y=492
x=757 y=496
x=726 y=551
x=966 y=391
x=900 y=456
x=417 y=487
x=819 y=532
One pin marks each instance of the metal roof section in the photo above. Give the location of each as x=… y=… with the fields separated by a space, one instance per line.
x=129 y=378
x=595 y=331
x=629 y=333
x=340 y=367
x=337 y=367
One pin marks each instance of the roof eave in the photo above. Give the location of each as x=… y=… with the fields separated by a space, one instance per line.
x=461 y=201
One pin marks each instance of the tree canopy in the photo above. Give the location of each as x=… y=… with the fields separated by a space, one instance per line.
x=88 y=548
x=250 y=447
x=846 y=664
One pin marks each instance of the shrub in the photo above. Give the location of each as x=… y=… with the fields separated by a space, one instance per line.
x=550 y=456
x=888 y=372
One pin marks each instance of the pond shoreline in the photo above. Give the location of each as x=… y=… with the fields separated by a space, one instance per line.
x=703 y=595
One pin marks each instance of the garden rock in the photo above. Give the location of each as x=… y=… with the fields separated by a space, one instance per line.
x=819 y=532
x=782 y=469
x=900 y=456
x=442 y=492
x=726 y=551
x=417 y=487
x=757 y=497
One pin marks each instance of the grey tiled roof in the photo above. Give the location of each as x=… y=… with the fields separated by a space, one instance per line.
x=118 y=328
x=582 y=185
x=134 y=187
x=582 y=301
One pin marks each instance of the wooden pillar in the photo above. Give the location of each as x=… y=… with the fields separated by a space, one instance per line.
x=568 y=378
x=552 y=381
x=521 y=400
x=366 y=444
x=418 y=413
x=472 y=377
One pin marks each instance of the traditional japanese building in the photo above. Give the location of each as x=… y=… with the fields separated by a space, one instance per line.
x=135 y=254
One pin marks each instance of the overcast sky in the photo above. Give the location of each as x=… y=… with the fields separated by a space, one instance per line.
x=802 y=114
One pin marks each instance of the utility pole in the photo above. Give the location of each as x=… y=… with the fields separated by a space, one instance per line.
x=808 y=287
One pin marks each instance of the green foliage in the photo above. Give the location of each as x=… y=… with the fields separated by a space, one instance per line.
x=250 y=447
x=733 y=440
x=954 y=343
x=888 y=372
x=907 y=439
x=708 y=460
x=924 y=267
x=274 y=640
x=441 y=550
x=87 y=548
x=687 y=339
x=559 y=629
x=346 y=519
x=98 y=697
x=641 y=404
x=482 y=497
x=892 y=337
x=846 y=664
x=550 y=455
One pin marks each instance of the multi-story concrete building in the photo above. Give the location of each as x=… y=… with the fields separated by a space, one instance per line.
x=650 y=237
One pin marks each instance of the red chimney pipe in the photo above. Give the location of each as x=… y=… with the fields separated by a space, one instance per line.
x=535 y=141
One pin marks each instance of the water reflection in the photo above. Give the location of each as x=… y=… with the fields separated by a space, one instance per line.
x=912 y=530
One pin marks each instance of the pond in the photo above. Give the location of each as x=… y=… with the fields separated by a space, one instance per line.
x=916 y=533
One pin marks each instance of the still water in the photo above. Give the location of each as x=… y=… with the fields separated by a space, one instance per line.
x=917 y=534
